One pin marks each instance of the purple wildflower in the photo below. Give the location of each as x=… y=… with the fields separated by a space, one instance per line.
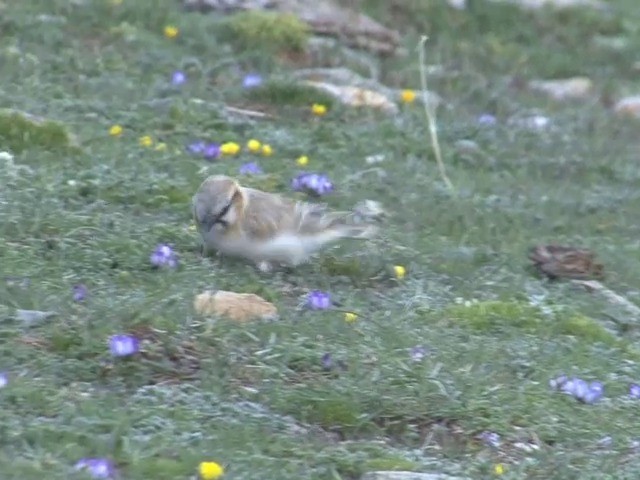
x=164 y=256
x=316 y=183
x=557 y=383
x=252 y=80
x=97 y=467
x=178 y=78
x=123 y=345
x=318 y=300
x=251 y=168
x=4 y=379
x=327 y=361
x=211 y=151
x=578 y=388
x=197 y=148
x=634 y=391
x=417 y=353
x=80 y=292
x=575 y=387
x=591 y=396
x=487 y=119
x=491 y=439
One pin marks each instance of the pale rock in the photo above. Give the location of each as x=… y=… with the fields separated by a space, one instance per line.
x=569 y=88
x=352 y=96
x=457 y=4
x=33 y=317
x=382 y=475
x=628 y=107
x=535 y=122
x=559 y=4
x=241 y=307
x=373 y=159
x=323 y=17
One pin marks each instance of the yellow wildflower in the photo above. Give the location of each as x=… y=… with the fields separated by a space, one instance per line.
x=319 y=109
x=229 y=148
x=399 y=271
x=115 y=131
x=171 y=32
x=254 y=145
x=350 y=317
x=499 y=469
x=408 y=96
x=210 y=470
x=192 y=228
x=145 y=141
x=161 y=147
x=303 y=160
x=267 y=151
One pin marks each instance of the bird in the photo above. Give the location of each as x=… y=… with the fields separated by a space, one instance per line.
x=267 y=229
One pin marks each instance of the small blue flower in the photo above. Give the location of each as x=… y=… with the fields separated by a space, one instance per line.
x=575 y=387
x=579 y=389
x=317 y=300
x=197 y=148
x=80 y=292
x=558 y=382
x=4 y=379
x=316 y=183
x=211 y=151
x=487 y=119
x=123 y=345
x=178 y=78
x=596 y=387
x=634 y=391
x=252 y=80
x=164 y=256
x=591 y=396
x=417 y=353
x=251 y=168
x=97 y=467
x=327 y=361
x=491 y=439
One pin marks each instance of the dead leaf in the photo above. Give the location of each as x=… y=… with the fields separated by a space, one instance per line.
x=557 y=261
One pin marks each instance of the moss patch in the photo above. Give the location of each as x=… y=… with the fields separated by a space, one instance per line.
x=276 y=32
x=390 y=463
x=20 y=131
x=586 y=328
x=487 y=315
x=289 y=93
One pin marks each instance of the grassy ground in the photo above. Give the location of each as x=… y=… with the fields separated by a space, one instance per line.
x=255 y=398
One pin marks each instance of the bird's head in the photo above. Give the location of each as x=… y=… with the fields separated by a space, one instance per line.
x=218 y=203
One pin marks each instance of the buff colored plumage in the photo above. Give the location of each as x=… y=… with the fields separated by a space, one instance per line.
x=267 y=228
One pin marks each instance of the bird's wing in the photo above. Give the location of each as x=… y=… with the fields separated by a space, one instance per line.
x=314 y=218
x=268 y=214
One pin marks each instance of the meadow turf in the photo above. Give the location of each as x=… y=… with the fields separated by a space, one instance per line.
x=78 y=206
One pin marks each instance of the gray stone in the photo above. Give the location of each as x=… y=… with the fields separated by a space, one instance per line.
x=408 y=476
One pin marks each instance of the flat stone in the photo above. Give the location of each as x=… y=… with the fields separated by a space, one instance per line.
x=564 y=89
x=628 y=107
x=382 y=475
x=241 y=307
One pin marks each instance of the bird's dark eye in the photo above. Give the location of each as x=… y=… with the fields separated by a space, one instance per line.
x=222 y=213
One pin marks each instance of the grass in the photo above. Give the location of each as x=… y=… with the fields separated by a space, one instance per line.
x=255 y=397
